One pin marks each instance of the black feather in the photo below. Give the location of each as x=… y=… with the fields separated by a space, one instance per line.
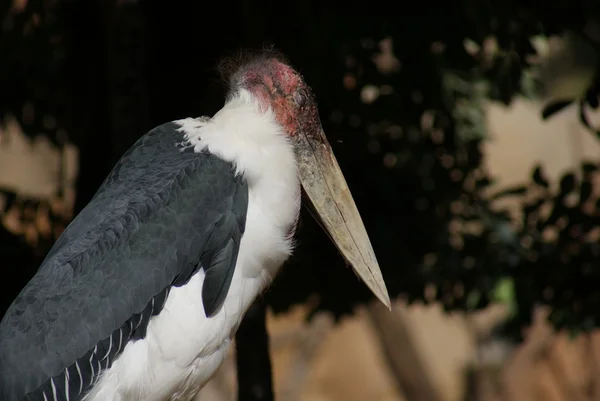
x=218 y=277
x=159 y=211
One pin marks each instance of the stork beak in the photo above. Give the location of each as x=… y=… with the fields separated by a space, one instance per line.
x=325 y=185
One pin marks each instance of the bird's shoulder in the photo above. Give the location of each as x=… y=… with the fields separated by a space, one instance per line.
x=111 y=269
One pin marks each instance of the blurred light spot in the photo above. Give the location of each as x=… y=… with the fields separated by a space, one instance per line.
x=386 y=90
x=447 y=161
x=394 y=131
x=386 y=61
x=374 y=146
x=490 y=46
x=390 y=160
x=437 y=136
x=349 y=81
x=369 y=93
x=427 y=120
x=438 y=47
x=593 y=235
x=526 y=241
x=471 y=47
x=456 y=175
x=42 y=221
x=457 y=242
x=354 y=120
x=469 y=183
x=458 y=290
x=571 y=200
x=541 y=44
x=430 y=292
x=430 y=259
x=31 y=234
x=18 y=6
x=562 y=222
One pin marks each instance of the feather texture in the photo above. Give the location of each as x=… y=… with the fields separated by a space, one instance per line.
x=141 y=296
x=160 y=212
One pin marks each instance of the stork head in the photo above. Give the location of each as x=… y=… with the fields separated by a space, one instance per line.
x=280 y=88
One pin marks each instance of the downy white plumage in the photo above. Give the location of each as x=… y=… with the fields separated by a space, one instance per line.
x=183 y=348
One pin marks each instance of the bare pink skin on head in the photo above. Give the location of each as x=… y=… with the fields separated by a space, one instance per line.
x=279 y=87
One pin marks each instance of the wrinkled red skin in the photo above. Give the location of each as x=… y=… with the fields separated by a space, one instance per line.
x=279 y=86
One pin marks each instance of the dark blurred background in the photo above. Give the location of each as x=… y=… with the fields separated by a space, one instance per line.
x=404 y=91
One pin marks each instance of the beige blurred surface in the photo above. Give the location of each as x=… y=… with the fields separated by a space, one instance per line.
x=40 y=171
x=520 y=139
x=32 y=168
x=349 y=365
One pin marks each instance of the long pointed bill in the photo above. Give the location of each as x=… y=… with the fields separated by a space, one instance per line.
x=326 y=187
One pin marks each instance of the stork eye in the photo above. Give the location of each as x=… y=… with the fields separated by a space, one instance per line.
x=300 y=97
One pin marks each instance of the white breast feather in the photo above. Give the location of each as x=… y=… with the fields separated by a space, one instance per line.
x=182 y=348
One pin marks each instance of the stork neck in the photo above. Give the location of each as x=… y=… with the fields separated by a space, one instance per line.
x=249 y=137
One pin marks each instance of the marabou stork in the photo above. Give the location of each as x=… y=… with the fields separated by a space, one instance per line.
x=142 y=294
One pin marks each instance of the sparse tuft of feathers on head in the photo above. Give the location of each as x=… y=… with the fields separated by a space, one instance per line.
x=231 y=67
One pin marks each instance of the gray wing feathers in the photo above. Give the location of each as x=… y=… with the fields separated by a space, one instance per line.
x=219 y=272
x=160 y=213
x=220 y=256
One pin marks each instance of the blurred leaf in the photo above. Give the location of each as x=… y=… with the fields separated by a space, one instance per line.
x=553 y=108
x=591 y=98
x=484 y=183
x=567 y=183
x=585 y=121
x=588 y=167
x=585 y=191
x=538 y=177
x=504 y=293
x=518 y=190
